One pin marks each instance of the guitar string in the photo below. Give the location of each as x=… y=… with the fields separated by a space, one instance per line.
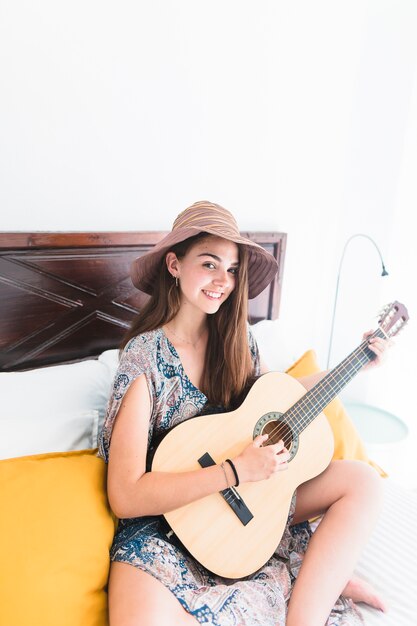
x=351 y=365
x=305 y=410
x=304 y=406
x=324 y=395
x=230 y=496
x=313 y=393
x=306 y=401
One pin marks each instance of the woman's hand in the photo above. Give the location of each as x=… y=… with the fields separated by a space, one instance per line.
x=259 y=462
x=379 y=347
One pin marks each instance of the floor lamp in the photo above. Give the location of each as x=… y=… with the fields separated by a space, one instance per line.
x=384 y=273
x=383 y=432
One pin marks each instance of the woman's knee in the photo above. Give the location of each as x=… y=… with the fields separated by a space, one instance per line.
x=364 y=481
x=138 y=599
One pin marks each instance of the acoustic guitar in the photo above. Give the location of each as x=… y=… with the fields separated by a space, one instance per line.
x=234 y=532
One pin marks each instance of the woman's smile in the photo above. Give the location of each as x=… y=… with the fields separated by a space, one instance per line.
x=213 y=295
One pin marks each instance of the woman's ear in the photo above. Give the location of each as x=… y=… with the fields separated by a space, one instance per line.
x=172 y=263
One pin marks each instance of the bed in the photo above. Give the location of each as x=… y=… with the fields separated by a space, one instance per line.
x=66 y=301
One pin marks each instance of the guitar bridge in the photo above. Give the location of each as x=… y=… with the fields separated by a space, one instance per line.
x=232 y=497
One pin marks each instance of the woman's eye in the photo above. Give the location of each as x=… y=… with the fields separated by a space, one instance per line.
x=212 y=266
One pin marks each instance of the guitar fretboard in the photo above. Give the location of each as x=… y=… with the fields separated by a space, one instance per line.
x=302 y=413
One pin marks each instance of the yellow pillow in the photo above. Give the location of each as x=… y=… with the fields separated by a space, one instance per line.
x=56 y=530
x=347 y=442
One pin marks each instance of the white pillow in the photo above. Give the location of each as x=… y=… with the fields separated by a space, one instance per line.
x=26 y=436
x=110 y=359
x=273 y=346
x=51 y=406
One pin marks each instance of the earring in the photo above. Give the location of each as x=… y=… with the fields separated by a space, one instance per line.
x=176 y=281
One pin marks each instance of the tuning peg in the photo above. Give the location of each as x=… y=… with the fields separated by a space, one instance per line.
x=385 y=310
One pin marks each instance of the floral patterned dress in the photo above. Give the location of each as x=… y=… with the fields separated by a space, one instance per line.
x=257 y=600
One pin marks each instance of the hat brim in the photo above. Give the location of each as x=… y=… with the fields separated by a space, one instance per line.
x=262 y=266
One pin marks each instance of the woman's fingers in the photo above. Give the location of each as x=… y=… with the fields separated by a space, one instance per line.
x=259 y=462
x=378 y=346
x=259 y=440
x=275 y=448
x=279 y=447
x=282 y=455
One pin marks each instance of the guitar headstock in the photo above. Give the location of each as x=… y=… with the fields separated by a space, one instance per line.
x=393 y=318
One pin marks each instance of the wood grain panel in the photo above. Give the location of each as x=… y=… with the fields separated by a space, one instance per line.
x=68 y=296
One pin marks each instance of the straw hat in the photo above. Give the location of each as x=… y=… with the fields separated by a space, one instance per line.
x=215 y=220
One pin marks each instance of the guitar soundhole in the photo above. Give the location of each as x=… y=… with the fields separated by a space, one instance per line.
x=277 y=429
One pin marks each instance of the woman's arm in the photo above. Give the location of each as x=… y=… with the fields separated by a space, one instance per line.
x=307 y=381
x=132 y=491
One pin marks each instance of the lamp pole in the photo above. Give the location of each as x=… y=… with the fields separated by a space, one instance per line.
x=383 y=273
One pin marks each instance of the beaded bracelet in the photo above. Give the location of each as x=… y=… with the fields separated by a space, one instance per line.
x=225 y=474
x=232 y=465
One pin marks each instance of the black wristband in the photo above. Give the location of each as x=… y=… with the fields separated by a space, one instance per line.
x=232 y=465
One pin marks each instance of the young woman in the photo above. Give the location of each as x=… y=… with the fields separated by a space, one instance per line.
x=189 y=347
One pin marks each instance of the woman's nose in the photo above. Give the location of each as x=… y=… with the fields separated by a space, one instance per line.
x=221 y=278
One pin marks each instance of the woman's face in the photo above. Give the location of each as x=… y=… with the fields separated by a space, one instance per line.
x=207 y=273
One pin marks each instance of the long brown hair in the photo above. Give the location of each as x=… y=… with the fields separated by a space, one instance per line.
x=229 y=365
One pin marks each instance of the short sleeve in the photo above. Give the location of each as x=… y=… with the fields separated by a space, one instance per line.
x=134 y=361
x=254 y=350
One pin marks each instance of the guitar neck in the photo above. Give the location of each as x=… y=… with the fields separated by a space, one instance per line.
x=303 y=412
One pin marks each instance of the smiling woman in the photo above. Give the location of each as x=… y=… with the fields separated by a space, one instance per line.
x=190 y=350
x=207 y=276
x=210 y=269
x=66 y=297
x=184 y=300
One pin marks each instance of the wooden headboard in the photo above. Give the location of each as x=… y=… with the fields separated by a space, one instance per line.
x=68 y=296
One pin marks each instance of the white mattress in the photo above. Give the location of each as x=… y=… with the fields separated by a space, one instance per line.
x=389 y=561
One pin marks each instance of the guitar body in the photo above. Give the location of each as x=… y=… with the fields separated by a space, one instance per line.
x=233 y=533
x=208 y=527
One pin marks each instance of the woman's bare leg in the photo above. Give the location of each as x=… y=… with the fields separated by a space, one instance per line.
x=350 y=495
x=138 y=599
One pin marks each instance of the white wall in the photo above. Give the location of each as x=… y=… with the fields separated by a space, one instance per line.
x=298 y=116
